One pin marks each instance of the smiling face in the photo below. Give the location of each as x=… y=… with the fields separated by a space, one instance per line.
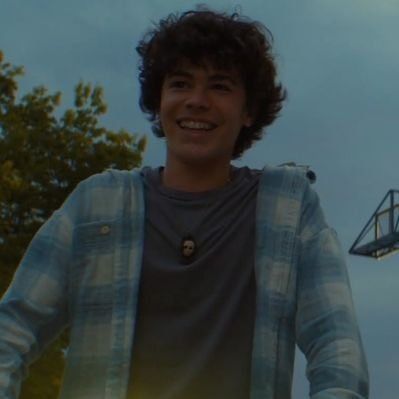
x=202 y=111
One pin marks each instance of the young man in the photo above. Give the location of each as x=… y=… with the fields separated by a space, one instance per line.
x=196 y=279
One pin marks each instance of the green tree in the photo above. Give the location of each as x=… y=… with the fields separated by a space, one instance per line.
x=43 y=155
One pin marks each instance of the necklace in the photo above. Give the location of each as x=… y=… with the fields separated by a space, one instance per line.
x=188 y=247
x=188 y=243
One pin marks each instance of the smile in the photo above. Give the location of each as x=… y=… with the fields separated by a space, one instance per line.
x=196 y=125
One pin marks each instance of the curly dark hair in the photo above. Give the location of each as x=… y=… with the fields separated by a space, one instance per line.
x=223 y=41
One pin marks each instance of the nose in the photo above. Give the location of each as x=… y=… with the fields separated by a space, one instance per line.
x=198 y=99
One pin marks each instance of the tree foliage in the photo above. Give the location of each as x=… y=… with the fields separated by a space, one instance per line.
x=43 y=157
x=44 y=153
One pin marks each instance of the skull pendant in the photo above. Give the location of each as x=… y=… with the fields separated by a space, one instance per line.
x=188 y=248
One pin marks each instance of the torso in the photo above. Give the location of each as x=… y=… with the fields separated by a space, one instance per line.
x=195 y=321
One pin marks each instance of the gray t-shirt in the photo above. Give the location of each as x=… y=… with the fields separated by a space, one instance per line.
x=193 y=337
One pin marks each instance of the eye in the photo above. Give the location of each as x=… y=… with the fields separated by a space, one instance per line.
x=177 y=84
x=221 y=86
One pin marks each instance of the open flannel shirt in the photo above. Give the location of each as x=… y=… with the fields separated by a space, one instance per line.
x=82 y=270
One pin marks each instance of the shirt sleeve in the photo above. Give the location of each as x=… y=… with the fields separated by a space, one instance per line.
x=33 y=311
x=326 y=327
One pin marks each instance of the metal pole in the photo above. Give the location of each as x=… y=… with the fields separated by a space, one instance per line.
x=391 y=213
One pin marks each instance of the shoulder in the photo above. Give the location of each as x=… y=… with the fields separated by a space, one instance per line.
x=110 y=178
x=287 y=180
x=289 y=188
x=103 y=194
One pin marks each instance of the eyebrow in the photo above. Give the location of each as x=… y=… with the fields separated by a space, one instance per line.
x=216 y=77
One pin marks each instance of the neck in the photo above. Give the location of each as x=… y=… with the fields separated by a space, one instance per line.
x=192 y=178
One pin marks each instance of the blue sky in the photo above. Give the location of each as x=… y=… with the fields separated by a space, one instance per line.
x=339 y=61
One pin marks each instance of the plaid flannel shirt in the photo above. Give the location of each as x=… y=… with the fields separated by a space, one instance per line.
x=82 y=270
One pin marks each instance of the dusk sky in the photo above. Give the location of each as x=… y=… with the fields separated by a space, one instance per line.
x=339 y=61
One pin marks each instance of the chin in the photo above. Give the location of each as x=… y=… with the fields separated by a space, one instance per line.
x=196 y=155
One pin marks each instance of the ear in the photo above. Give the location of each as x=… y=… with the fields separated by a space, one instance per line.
x=248 y=120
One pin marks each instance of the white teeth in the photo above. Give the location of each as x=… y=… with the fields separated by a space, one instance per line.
x=196 y=125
